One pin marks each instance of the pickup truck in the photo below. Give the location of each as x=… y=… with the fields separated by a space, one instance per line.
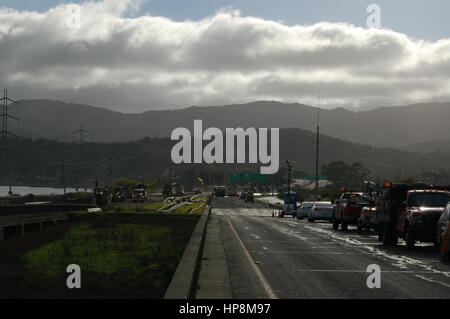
x=420 y=214
x=348 y=209
x=411 y=213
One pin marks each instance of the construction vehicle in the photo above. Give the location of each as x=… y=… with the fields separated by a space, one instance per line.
x=119 y=195
x=220 y=191
x=139 y=194
x=101 y=196
x=410 y=212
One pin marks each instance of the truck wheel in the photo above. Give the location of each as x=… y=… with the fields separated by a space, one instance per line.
x=335 y=224
x=344 y=225
x=409 y=238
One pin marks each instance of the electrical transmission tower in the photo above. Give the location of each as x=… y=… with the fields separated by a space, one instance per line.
x=81 y=132
x=5 y=133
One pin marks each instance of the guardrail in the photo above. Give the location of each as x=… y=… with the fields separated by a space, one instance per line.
x=7 y=210
x=184 y=282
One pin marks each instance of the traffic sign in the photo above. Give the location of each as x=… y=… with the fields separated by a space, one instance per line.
x=248 y=177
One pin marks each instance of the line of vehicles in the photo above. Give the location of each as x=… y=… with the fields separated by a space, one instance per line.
x=138 y=193
x=247 y=196
x=415 y=213
x=105 y=195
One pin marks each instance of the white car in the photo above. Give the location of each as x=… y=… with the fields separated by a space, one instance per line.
x=321 y=211
x=303 y=211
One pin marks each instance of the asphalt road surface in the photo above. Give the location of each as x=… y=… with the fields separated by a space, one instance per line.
x=271 y=257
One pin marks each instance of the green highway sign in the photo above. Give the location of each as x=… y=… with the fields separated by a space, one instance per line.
x=313 y=178
x=248 y=177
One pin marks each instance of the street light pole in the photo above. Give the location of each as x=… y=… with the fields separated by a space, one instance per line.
x=289 y=166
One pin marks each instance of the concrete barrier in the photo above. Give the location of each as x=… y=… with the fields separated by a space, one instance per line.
x=184 y=282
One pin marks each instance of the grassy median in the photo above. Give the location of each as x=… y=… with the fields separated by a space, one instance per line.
x=127 y=253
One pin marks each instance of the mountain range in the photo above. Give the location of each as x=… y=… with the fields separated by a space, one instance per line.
x=405 y=127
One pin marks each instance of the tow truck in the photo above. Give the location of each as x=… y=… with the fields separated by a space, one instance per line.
x=410 y=212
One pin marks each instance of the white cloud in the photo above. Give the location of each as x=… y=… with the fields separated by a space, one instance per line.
x=137 y=63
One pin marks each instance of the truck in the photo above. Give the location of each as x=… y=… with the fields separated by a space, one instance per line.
x=220 y=191
x=410 y=212
x=119 y=195
x=290 y=206
x=101 y=196
x=348 y=209
x=139 y=193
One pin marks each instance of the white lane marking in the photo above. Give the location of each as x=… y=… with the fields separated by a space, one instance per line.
x=270 y=292
x=295 y=252
x=255 y=236
x=432 y=280
x=364 y=271
x=401 y=262
x=265 y=248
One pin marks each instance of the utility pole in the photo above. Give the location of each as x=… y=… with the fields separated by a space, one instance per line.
x=289 y=167
x=317 y=145
x=5 y=133
x=63 y=175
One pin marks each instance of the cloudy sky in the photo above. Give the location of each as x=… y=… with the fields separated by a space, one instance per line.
x=137 y=55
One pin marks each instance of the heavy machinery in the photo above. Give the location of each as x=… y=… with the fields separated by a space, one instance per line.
x=410 y=212
x=102 y=196
x=139 y=194
x=119 y=195
x=220 y=191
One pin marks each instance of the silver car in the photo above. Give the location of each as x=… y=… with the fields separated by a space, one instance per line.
x=321 y=211
x=304 y=210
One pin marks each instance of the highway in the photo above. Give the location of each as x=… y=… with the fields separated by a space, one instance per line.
x=271 y=257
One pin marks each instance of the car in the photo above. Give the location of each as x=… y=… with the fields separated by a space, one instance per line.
x=249 y=197
x=321 y=211
x=442 y=224
x=304 y=210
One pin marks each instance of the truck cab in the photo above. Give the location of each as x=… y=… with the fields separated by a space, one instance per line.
x=410 y=212
x=290 y=204
x=419 y=215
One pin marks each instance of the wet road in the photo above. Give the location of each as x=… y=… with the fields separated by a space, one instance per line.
x=269 y=257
